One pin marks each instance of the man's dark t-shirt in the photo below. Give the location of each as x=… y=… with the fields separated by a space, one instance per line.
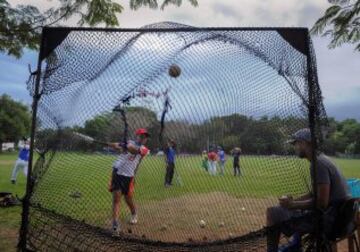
x=328 y=173
x=236 y=155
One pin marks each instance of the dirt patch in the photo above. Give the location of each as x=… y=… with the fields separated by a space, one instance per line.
x=50 y=231
x=179 y=219
x=8 y=239
x=9 y=232
x=7 y=162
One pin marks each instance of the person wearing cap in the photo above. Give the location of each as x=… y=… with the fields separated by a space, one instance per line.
x=170 y=152
x=294 y=217
x=236 y=163
x=123 y=173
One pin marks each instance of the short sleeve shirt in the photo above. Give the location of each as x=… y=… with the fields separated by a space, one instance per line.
x=126 y=163
x=212 y=156
x=329 y=173
x=221 y=155
x=170 y=155
x=24 y=154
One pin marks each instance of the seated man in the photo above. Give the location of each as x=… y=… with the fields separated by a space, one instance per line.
x=294 y=216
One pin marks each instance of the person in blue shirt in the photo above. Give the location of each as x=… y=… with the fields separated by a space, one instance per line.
x=22 y=162
x=221 y=155
x=170 y=153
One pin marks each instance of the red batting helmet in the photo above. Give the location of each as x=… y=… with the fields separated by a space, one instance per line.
x=142 y=131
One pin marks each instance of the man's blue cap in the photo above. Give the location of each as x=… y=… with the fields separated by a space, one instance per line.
x=300 y=135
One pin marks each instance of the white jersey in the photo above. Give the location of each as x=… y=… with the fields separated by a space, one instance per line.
x=126 y=163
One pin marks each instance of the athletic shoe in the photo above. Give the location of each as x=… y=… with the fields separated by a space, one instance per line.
x=294 y=245
x=116 y=228
x=133 y=219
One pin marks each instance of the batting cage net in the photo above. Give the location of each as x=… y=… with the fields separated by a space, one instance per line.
x=182 y=131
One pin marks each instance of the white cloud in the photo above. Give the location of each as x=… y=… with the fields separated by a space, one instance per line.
x=338 y=69
x=216 y=13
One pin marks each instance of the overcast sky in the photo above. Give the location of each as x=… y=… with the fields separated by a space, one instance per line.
x=338 y=69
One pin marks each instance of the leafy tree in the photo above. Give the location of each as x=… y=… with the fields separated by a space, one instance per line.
x=97 y=127
x=263 y=136
x=342 y=19
x=14 y=120
x=351 y=130
x=20 y=26
x=231 y=141
x=339 y=141
x=136 y=4
x=109 y=127
x=329 y=145
x=350 y=149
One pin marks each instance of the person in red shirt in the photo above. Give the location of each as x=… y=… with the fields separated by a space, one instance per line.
x=212 y=160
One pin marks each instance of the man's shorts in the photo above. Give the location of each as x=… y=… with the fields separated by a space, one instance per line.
x=122 y=183
x=292 y=221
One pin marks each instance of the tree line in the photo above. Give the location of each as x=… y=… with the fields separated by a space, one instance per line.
x=265 y=135
x=261 y=136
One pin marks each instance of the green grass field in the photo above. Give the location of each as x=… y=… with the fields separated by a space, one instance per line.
x=263 y=178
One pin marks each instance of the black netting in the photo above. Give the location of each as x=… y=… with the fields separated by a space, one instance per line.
x=242 y=89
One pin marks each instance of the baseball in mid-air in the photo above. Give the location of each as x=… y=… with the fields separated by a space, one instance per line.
x=243 y=209
x=174 y=71
x=202 y=223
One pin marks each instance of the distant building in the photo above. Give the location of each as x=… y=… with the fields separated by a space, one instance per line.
x=8 y=146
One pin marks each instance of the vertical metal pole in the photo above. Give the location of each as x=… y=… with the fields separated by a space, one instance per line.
x=208 y=144
x=312 y=106
x=29 y=181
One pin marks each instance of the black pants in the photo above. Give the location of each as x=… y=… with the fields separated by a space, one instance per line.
x=169 y=173
x=236 y=169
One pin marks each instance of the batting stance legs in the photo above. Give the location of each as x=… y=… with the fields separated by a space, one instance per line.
x=20 y=164
x=116 y=206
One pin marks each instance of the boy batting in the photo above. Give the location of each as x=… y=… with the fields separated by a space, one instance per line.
x=123 y=174
x=22 y=162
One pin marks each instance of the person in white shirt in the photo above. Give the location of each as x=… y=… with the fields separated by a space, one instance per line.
x=123 y=173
